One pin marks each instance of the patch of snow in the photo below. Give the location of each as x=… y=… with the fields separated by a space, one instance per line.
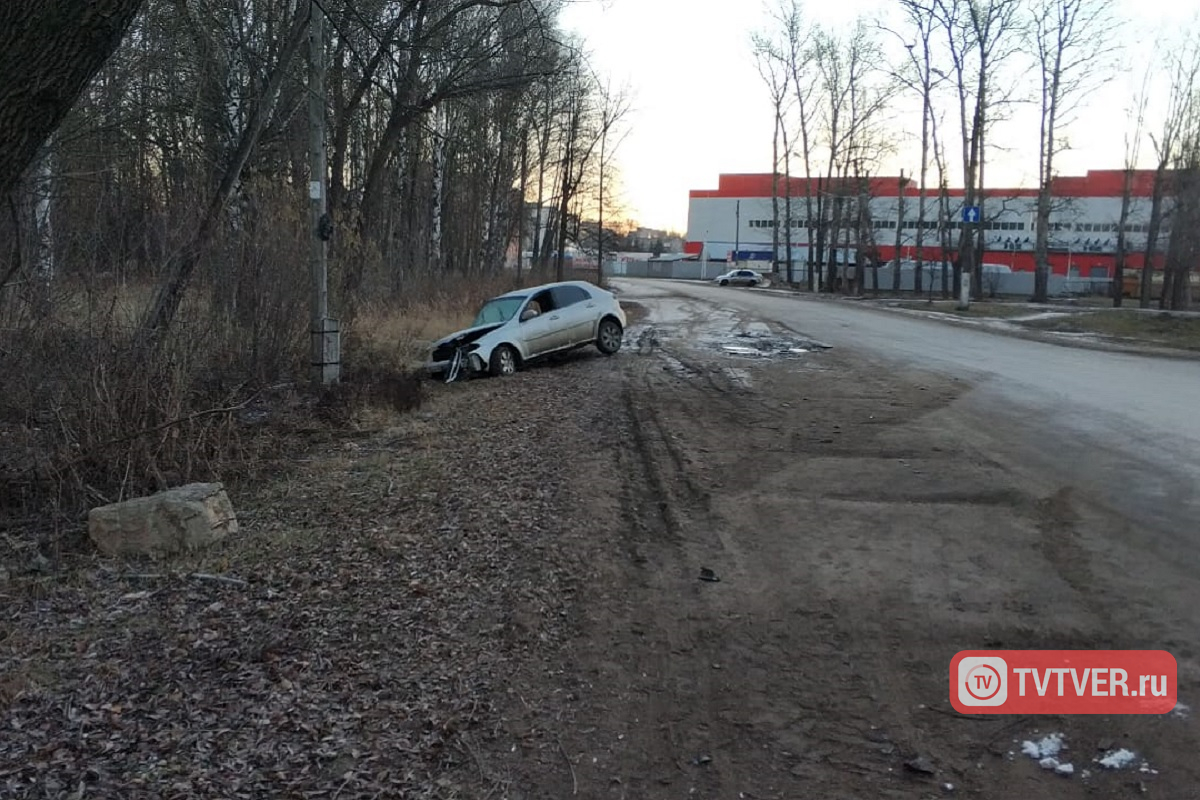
x=1065 y=769
x=1181 y=710
x=1146 y=768
x=1117 y=759
x=1046 y=747
x=1049 y=763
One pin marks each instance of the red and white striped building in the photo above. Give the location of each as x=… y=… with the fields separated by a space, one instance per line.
x=738 y=216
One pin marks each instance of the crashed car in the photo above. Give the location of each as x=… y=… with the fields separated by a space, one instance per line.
x=518 y=327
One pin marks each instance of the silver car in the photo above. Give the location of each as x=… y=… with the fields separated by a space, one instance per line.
x=739 y=277
x=530 y=323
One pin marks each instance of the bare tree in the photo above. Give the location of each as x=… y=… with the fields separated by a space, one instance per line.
x=943 y=205
x=979 y=36
x=1183 y=63
x=1183 y=244
x=183 y=265
x=920 y=78
x=773 y=69
x=615 y=105
x=801 y=53
x=854 y=93
x=901 y=190
x=1070 y=38
x=1133 y=146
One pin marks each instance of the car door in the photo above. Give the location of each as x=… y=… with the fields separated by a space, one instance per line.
x=577 y=311
x=540 y=334
x=534 y=332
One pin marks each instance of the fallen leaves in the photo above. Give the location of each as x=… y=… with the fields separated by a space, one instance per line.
x=369 y=625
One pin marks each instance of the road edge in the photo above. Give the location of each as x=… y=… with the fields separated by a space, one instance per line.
x=997 y=326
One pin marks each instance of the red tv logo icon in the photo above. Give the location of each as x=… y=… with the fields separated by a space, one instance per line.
x=982 y=681
x=1063 y=682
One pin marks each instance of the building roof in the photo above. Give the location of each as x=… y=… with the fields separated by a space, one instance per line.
x=1096 y=183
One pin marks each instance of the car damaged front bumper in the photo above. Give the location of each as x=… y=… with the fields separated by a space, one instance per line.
x=474 y=364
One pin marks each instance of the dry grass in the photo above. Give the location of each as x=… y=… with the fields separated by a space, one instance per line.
x=89 y=416
x=1157 y=328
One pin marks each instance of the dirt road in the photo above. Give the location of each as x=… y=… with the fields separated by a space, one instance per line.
x=863 y=531
x=500 y=596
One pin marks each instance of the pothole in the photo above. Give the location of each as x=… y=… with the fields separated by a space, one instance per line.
x=760 y=344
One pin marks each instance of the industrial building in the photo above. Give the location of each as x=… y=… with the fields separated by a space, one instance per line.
x=736 y=220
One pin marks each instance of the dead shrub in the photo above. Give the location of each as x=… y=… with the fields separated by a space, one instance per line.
x=90 y=416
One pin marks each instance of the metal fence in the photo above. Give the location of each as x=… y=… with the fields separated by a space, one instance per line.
x=995 y=284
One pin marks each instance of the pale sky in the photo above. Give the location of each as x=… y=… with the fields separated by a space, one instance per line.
x=700 y=108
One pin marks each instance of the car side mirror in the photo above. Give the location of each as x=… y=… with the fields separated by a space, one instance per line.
x=528 y=314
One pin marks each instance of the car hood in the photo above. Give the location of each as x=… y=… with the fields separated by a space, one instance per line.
x=470 y=334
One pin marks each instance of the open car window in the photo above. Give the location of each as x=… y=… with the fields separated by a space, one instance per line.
x=544 y=300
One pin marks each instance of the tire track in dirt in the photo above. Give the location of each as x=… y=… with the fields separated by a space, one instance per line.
x=861 y=541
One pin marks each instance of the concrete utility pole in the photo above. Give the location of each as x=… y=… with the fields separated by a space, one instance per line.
x=325 y=332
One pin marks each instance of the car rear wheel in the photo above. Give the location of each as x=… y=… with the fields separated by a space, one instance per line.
x=503 y=361
x=609 y=336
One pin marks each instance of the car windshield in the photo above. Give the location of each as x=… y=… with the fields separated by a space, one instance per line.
x=498 y=310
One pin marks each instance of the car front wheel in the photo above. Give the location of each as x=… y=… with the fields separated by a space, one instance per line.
x=724 y=283
x=503 y=361
x=609 y=336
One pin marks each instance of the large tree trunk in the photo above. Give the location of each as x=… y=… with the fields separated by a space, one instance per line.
x=1041 y=279
x=899 y=232
x=787 y=205
x=1153 y=229
x=49 y=51
x=1184 y=243
x=810 y=259
x=926 y=113
x=775 y=193
x=537 y=255
x=438 y=135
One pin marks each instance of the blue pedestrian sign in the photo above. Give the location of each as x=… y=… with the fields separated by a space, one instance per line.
x=970 y=213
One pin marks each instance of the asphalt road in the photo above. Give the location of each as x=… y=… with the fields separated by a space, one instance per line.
x=1124 y=429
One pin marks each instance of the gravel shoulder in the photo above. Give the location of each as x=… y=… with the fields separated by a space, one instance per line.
x=499 y=596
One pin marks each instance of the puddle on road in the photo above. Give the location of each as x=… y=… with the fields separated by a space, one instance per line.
x=759 y=344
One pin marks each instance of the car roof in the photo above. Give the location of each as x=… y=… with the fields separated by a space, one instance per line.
x=590 y=287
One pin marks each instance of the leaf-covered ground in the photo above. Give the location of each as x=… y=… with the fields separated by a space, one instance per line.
x=397 y=584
